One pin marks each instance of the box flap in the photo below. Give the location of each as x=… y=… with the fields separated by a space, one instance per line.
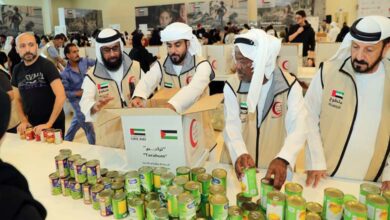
x=142 y=111
x=205 y=104
x=161 y=97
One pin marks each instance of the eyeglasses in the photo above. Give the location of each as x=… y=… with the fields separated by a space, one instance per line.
x=107 y=50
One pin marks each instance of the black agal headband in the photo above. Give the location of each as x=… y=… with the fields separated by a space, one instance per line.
x=108 y=39
x=364 y=36
x=244 y=41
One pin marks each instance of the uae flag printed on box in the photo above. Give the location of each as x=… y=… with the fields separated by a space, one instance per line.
x=168 y=134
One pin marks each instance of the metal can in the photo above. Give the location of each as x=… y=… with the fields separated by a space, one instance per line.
x=173 y=203
x=354 y=210
x=234 y=213
x=275 y=205
x=150 y=196
x=240 y=199
x=183 y=171
x=293 y=189
x=248 y=207
x=314 y=207
x=162 y=214
x=38 y=136
x=333 y=203
x=146 y=177
x=87 y=193
x=204 y=206
x=216 y=190
x=55 y=184
x=80 y=170
x=76 y=190
x=105 y=202
x=195 y=189
x=313 y=216
x=377 y=207
x=118 y=187
x=106 y=181
x=71 y=161
x=103 y=172
x=219 y=205
x=295 y=209
x=386 y=195
x=196 y=171
x=119 y=205
x=249 y=184
x=62 y=165
x=112 y=174
x=65 y=186
x=136 y=208
x=219 y=177
x=267 y=185
x=180 y=180
x=349 y=197
x=256 y=215
x=119 y=179
x=93 y=171
x=42 y=137
x=187 y=208
x=157 y=172
x=95 y=190
x=205 y=180
x=30 y=135
x=166 y=180
x=132 y=182
x=49 y=136
x=66 y=152
x=368 y=188
x=57 y=136
x=151 y=209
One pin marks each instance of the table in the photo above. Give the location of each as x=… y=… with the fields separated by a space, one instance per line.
x=35 y=160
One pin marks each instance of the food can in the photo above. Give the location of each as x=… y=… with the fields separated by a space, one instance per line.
x=267 y=185
x=183 y=171
x=196 y=171
x=76 y=190
x=119 y=179
x=173 y=203
x=103 y=172
x=106 y=181
x=313 y=216
x=216 y=190
x=62 y=165
x=136 y=208
x=71 y=161
x=180 y=180
x=146 y=177
x=275 y=205
x=349 y=197
x=205 y=180
x=93 y=171
x=187 y=209
x=157 y=172
x=112 y=174
x=219 y=205
x=204 y=206
x=55 y=184
x=49 y=136
x=333 y=203
x=240 y=199
x=162 y=214
x=293 y=189
x=166 y=180
x=65 y=186
x=386 y=195
x=314 y=207
x=150 y=196
x=30 y=135
x=377 y=207
x=295 y=209
x=42 y=137
x=87 y=193
x=354 y=210
x=95 y=190
x=234 y=213
x=80 y=170
x=248 y=183
x=248 y=207
x=57 y=136
x=38 y=136
x=66 y=152
x=119 y=205
x=118 y=187
x=368 y=188
x=219 y=177
x=195 y=189
x=256 y=215
x=105 y=202
x=132 y=182
x=151 y=209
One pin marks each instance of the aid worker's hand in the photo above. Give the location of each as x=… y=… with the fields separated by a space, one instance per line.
x=22 y=127
x=300 y=30
x=38 y=129
x=385 y=186
x=100 y=103
x=277 y=168
x=138 y=102
x=244 y=161
x=314 y=177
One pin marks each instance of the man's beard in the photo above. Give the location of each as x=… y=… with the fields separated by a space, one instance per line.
x=178 y=58
x=113 y=65
x=33 y=56
x=361 y=69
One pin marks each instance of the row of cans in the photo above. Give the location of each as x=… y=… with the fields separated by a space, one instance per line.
x=47 y=135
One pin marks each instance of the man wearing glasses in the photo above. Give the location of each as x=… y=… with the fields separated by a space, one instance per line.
x=302 y=32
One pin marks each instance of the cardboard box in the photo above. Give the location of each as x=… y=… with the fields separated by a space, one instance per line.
x=290 y=57
x=162 y=137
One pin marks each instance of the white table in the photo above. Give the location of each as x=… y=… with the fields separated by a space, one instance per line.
x=36 y=161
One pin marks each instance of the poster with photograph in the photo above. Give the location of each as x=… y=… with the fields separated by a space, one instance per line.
x=159 y=16
x=217 y=13
x=83 y=21
x=15 y=19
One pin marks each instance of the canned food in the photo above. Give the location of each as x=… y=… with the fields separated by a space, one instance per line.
x=296 y=209
x=57 y=136
x=103 y=172
x=183 y=171
x=204 y=206
x=187 y=208
x=256 y=215
x=136 y=208
x=180 y=180
x=267 y=185
x=275 y=205
x=205 y=180
x=240 y=199
x=314 y=207
x=166 y=180
x=157 y=172
x=95 y=190
x=173 y=203
x=377 y=207
x=76 y=190
x=66 y=152
x=93 y=171
x=386 y=195
x=234 y=213
x=293 y=189
x=87 y=194
x=22 y=135
x=368 y=188
x=248 y=184
x=146 y=177
x=196 y=171
x=105 y=202
x=71 y=161
x=217 y=190
x=62 y=165
x=349 y=197
x=119 y=205
x=195 y=189
x=112 y=174
x=248 y=207
x=219 y=205
x=38 y=137
x=80 y=170
x=119 y=179
x=219 y=177
x=162 y=214
x=42 y=136
x=30 y=135
x=49 y=136
x=65 y=186
x=354 y=210
x=312 y=216
x=132 y=182
x=151 y=209
x=118 y=187
x=106 y=181
x=55 y=184
x=151 y=196
x=333 y=203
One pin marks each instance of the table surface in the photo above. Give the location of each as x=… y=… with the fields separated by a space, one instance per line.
x=35 y=160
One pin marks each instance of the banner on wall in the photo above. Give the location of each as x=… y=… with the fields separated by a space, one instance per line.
x=373 y=7
x=83 y=21
x=217 y=13
x=15 y=19
x=159 y=16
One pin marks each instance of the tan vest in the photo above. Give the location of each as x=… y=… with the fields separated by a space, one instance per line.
x=264 y=143
x=108 y=126
x=338 y=114
x=46 y=54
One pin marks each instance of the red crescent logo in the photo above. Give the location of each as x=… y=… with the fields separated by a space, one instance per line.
x=277 y=109
x=214 y=64
x=132 y=79
x=193 y=133
x=285 y=65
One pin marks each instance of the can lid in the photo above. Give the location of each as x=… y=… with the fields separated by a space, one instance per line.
x=106 y=193
x=54 y=175
x=182 y=170
x=168 y=175
x=334 y=193
x=153 y=205
x=376 y=199
x=240 y=197
x=80 y=161
x=185 y=197
x=112 y=174
x=135 y=201
x=249 y=206
x=267 y=181
x=145 y=169
x=355 y=206
x=119 y=179
x=180 y=180
x=175 y=190
x=92 y=163
x=162 y=213
x=370 y=188
x=218 y=199
x=256 y=215
x=217 y=189
x=61 y=157
x=312 y=216
x=276 y=196
x=234 y=211
x=295 y=200
x=198 y=170
x=219 y=173
x=74 y=157
x=97 y=188
x=191 y=185
x=119 y=196
x=293 y=187
x=66 y=151
x=314 y=207
x=103 y=171
x=204 y=177
x=117 y=185
x=160 y=170
x=132 y=174
x=151 y=196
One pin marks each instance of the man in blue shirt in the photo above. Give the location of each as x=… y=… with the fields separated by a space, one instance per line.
x=72 y=78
